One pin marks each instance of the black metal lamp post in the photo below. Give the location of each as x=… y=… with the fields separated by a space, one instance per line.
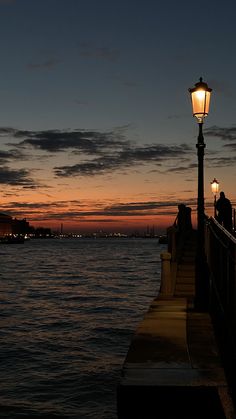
x=200 y=95
x=215 y=190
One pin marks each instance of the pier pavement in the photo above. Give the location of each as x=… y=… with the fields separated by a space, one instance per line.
x=173 y=367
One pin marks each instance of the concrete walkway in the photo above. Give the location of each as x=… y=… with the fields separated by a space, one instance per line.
x=173 y=369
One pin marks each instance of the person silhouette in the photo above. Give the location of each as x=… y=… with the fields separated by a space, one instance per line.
x=183 y=220
x=224 y=208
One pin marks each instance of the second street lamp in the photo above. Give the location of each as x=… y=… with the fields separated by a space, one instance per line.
x=215 y=190
x=200 y=96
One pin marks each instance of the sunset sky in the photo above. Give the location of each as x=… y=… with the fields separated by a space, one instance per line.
x=96 y=128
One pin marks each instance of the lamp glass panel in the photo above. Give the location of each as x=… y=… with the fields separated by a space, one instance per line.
x=199 y=102
x=207 y=104
x=215 y=187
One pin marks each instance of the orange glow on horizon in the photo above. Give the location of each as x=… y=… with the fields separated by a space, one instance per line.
x=158 y=223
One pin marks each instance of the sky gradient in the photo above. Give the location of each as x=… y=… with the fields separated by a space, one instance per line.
x=96 y=129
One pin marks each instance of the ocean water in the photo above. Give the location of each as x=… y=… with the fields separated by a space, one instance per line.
x=69 y=309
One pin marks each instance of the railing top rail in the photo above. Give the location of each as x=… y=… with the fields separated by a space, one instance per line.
x=213 y=221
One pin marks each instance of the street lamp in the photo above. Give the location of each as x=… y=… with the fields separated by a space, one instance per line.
x=215 y=190
x=200 y=96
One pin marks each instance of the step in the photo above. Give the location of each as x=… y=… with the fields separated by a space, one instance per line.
x=186 y=267
x=185 y=274
x=184 y=280
x=186 y=289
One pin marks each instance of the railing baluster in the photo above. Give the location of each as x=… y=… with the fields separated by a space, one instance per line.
x=222 y=264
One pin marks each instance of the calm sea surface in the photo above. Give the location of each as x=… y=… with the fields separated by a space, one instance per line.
x=68 y=311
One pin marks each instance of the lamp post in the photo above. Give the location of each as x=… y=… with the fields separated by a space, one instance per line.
x=200 y=96
x=215 y=190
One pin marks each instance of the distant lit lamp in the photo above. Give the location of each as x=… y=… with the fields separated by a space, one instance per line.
x=200 y=96
x=215 y=190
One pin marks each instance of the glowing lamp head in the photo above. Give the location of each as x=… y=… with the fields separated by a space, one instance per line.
x=215 y=186
x=200 y=95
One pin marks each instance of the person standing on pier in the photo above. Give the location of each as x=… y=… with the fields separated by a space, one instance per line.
x=224 y=208
x=183 y=220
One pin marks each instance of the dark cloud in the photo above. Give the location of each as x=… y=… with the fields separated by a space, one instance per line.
x=182 y=169
x=47 y=64
x=221 y=161
x=89 y=50
x=7 y=131
x=16 y=177
x=137 y=208
x=231 y=146
x=125 y=82
x=144 y=208
x=156 y=152
x=89 y=142
x=224 y=134
x=81 y=102
x=130 y=84
x=49 y=210
x=124 y=159
x=6 y=156
x=106 y=151
x=37 y=205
